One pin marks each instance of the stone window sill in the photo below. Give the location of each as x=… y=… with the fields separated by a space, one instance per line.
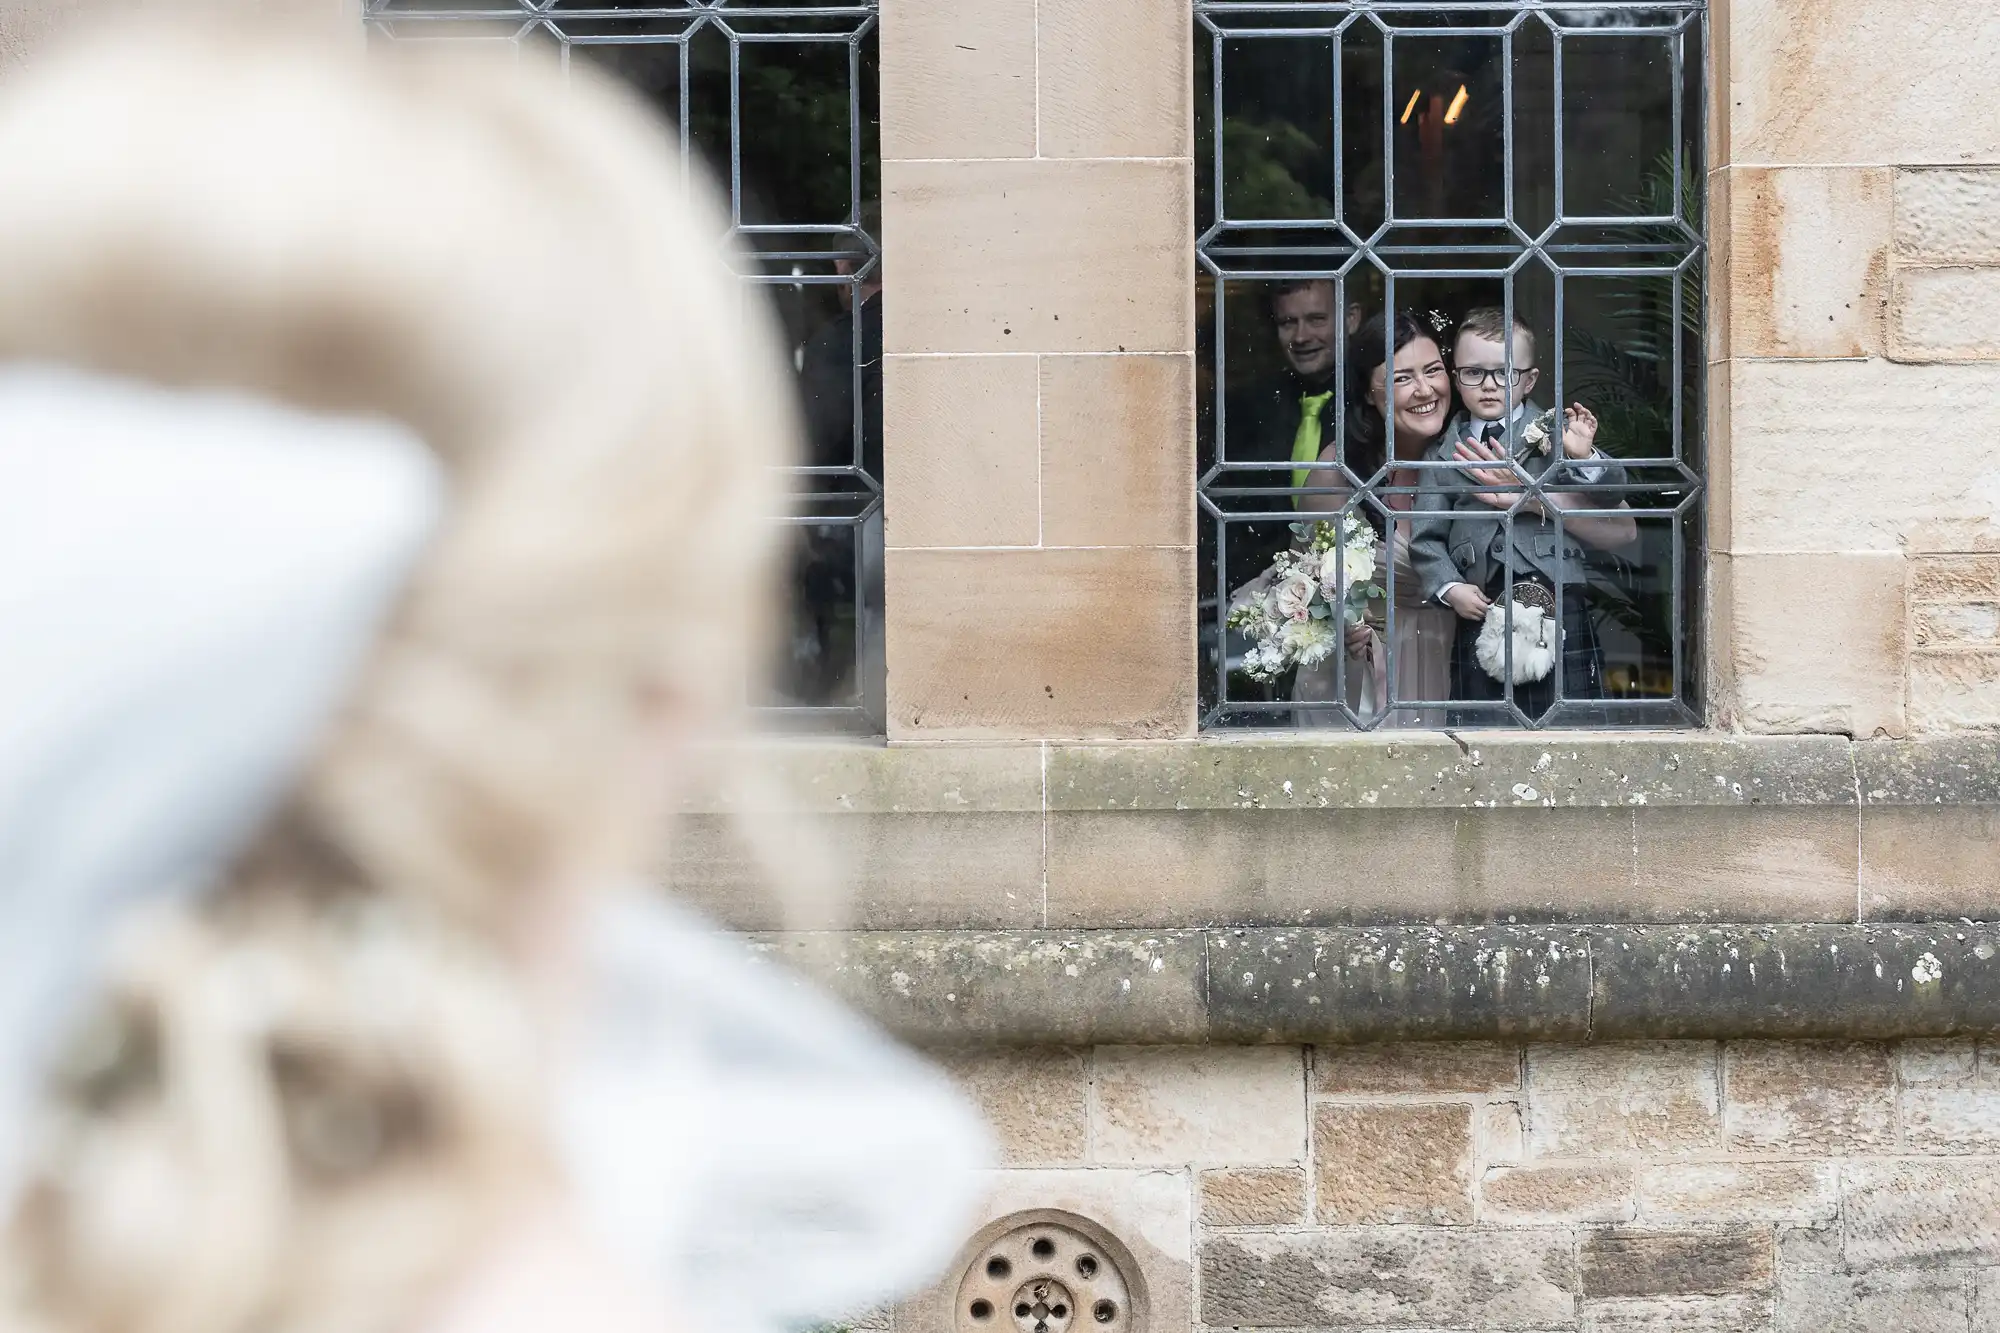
x=1489 y=829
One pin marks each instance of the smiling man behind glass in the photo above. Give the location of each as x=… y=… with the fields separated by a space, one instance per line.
x=1287 y=417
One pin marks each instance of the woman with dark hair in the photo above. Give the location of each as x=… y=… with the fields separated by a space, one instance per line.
x=1412 y=391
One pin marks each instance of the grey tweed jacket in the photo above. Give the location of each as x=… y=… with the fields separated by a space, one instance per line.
x=1455 y=537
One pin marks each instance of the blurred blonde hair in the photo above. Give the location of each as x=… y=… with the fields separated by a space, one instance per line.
x=516 y=269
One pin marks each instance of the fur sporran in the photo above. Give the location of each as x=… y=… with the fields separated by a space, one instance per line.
x=1537 y=635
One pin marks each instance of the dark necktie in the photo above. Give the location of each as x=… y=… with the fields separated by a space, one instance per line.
x=1494 y=434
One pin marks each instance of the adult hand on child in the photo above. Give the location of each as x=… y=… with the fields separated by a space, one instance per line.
x=1468 y=601
x=1579 y=431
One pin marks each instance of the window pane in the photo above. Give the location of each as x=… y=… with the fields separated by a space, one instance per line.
x=1449 y=431
x=781 y=102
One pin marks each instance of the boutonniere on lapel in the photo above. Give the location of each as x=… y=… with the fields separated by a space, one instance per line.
x=1540 y=433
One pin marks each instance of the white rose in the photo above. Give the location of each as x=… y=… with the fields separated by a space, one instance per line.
x=1294 y=596
x=1360 y=563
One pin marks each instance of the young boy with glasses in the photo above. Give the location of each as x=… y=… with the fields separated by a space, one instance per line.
x=1464 y=550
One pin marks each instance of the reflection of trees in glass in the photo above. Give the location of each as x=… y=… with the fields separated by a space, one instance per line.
x=794 y=114
x=1277 y=132
x=1628 y=376
x=1627 y=372
x=1265 y=164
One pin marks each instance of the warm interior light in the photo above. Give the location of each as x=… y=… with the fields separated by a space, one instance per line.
x=1457 y=105
x=1404 y=119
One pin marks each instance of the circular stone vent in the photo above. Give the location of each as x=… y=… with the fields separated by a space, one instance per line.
x=1043 y=1277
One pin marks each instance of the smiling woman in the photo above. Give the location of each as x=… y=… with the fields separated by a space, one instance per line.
x=1534 y=173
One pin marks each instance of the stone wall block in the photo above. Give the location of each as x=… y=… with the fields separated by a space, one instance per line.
x=1953 y=578
x=1252 y=1196
x=983 y=644
x=1937 y=1062
x=1034 y=1100
x=1114 y=78
x=1167 y=1105
x=1498 y=1134
x=1000 y=256
x=1148 y=868
x=1802 y=861
x=1674 y=1263
x=1929 y=862
x=1718 y=512
x=1817 y=1098
x=838 y=775
x=958 y=78
x=1810 y=1249
x=1918 y=1302
x=1937 y=770
x=963 y=988
x=1412 y=983
x=1808 y=260
x=1777 y=981
x=1558 y=1193
x=1947 y=216
x=1695 y=1192
x=1953 y=1119
x=1319 y=772
x=1818 y=643
x=960 y=438
x=1957 y=624
x=1117 y=449
x=916 y=870
x=1954 y=689
x=1941 y=314
x=1417 y=1067
x=1860 y=81
x=1250 y=866
x=1865 y=489
x=1942 y=1213
x=1387 y=1164
x=1950 y=1094
x=1986 y=1301
x=1741 y=1313
x=1721 y=262
x=1402 y=1277
x=1646 y=1097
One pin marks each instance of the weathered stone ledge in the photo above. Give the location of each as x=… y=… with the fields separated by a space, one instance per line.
x=1356 y=985
x=1344 y=830
x=1383 y=770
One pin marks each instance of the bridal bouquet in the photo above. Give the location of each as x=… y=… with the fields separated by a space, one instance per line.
x=1296 y=612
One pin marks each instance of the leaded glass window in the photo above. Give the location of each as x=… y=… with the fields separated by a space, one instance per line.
x=1427 y=231
x=780 y=99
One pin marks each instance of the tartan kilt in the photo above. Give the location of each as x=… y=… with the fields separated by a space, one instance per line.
x=1582 y=659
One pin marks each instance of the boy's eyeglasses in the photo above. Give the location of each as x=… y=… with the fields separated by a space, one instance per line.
x=1472 y=377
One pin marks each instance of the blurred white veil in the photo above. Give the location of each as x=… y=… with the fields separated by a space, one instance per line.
x=188 y=581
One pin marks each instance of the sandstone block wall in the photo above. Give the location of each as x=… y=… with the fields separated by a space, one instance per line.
x=1686 y=1186
x=1856 y=260
x=1038 y=242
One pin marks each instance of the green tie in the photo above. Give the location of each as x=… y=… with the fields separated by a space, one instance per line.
x=1305 y=445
